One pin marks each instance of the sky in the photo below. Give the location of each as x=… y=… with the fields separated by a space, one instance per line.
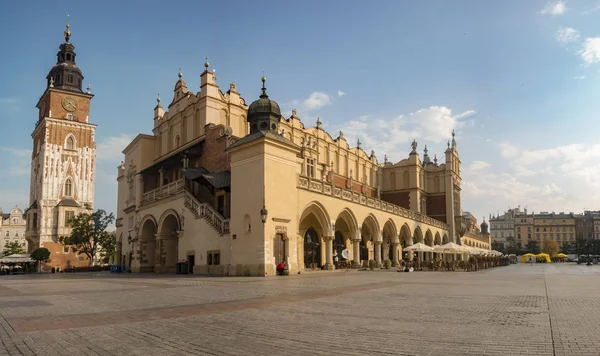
x=519 y=81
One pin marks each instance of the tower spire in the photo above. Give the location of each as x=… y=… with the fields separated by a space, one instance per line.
x=264 y=89
x=67 y=31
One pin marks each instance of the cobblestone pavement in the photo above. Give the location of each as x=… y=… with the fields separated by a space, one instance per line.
x=515 y=310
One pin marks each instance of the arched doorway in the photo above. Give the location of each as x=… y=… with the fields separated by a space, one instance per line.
x=147 y=237
x=312 y=250
x=168 y=244
x=338 y=246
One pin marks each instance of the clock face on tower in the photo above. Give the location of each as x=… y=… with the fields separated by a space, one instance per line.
x=69 y=103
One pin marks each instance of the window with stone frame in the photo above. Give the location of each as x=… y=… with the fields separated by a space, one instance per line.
x=310 y=167
x=68 y=188
x=69 y=215
x=213 y=258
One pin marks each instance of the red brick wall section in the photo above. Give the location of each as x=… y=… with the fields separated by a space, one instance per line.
x=214 y=157
x=401 y=199
x=63 y=260
x=436 y=207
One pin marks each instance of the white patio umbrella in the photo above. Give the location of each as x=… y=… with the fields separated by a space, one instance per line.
x=450 y=247
x=418 y=247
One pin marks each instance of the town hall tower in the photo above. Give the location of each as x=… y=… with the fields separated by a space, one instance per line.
x=63 y=161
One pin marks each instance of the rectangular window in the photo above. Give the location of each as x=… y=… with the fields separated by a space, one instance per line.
x=70 y=117
x=221 y=204
x=213 y=258
x=34 y=223
x=68 y=216
x=310 y=167
x=66 y=249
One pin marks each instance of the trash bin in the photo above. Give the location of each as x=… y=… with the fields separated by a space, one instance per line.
x=113 y=269
x=122 y=268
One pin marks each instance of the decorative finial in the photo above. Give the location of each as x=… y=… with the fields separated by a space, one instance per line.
x=294 y=113
x=341 y=134
x=452 y=133
x=264 y=89
x=372 y=153
x=435 y=159
x=453 y=140
x=51 y=82
x=425 y=150
x=180 y=74
x=319 y=123
x=89 y=89
x=385 y=159
x=67 y=31
x=206 y=64
x=158 y=98
x=448 y=144
x=358 y=143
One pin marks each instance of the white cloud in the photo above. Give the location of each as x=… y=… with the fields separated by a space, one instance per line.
x=554 y=8
x=391 y=135
x=590 y=52
x=112 y=147
x=567 y=35
x=316 y=100
x=341 y=93
x=579 y=77
x=478 y=165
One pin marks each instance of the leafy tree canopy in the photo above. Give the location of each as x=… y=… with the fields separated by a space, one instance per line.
x=88 y=233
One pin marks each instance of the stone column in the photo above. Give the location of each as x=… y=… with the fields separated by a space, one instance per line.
x=356 y=249
x=377 y=246
x=161 y=174
x=395 y=254
x=386 y=251
x=329 y=252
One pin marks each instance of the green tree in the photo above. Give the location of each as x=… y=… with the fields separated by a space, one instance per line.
x=514 y=248
x=498 y=247
x=566 y=247
x=13 y=248
x=39 y=255
x=580 y=245
x=550 y=247
x=532 y=246
x=109 y=246
x=88 y=232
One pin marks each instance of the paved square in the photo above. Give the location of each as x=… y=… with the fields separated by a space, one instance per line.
x=514 y=310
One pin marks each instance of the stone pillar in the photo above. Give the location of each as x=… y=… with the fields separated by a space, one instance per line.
x=161 y=174
x=395 y=258
x=377 y=246
x=139 y=189
x=328 y=252
x=386 y=251
x=356 y=249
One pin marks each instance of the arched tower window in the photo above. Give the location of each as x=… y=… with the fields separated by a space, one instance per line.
x=68 y=188
x=70 y=143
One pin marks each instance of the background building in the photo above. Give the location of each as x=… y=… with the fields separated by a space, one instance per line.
x=502 y=227
x=554 y=226
x=12 y=228
x=63 y=163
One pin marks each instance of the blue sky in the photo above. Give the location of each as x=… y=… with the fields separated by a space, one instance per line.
x=518 y=80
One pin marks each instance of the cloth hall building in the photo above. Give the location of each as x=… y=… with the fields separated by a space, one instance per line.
x=234 y=189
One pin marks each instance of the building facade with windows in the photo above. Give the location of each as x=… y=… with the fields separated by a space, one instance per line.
x=554 y=226
x=502 y=228
x=235 y=189
x=63 y=161
x=12 y=229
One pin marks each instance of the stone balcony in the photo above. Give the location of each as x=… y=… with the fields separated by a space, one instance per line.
x=163 y=192
x=346 y=194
